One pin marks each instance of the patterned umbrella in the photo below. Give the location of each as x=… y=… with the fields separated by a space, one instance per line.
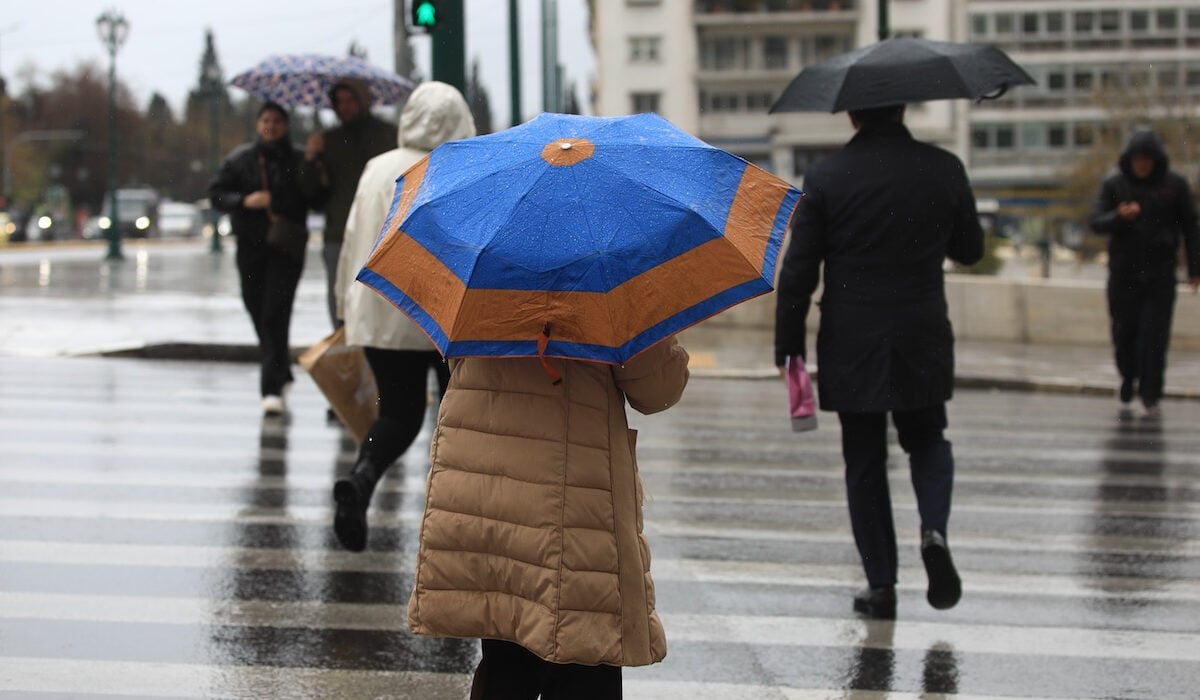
x=305 y=79
x=580 y=237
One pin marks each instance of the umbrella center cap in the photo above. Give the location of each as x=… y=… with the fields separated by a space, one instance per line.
x=567 y=151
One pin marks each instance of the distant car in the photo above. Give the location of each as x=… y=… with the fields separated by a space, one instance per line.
x=179 y=219
x=138 y=210
x=45 y=227
x=7 y=227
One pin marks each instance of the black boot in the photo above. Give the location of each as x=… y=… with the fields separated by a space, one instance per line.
x=945 y=587
x=876 y=602
x=353 y=495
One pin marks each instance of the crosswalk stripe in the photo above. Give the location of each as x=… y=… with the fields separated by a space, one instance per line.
x=729 y=629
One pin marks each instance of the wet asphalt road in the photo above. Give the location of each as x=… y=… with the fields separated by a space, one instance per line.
x=158 y=538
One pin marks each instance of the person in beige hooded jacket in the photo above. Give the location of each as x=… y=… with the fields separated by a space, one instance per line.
x=532 y=534
x=399 y=353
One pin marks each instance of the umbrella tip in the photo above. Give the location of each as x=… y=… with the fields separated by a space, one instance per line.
x=565 y=145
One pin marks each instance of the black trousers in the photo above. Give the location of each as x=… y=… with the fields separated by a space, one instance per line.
x=400 y=377
x=864 y=449
x=509 y=671
x=269 y=279
x=1141 y=312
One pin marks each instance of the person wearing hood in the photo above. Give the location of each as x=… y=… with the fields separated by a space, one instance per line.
x=1146 y=210
x=258 y=181
x=398 y=351
x=334 y=160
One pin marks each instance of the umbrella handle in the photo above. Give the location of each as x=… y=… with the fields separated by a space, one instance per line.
x=543 y=340
x=995 y=94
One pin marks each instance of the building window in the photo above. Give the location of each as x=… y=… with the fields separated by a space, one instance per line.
x=644 y=49
x=1110 y=21
x=644 y=102
x=1084 y=22
x=1056 y=81
x=979 y=26
x=1167 y=19
x=1084 y=135
x=1030 y=22
x=775 y=52
x=723 y=53
x=1005 y=24
x=1055 y=22
x=759 y=101
x=1139 y=21
x=1193 y=20
x=980 y=138
x=1056 y=136
x=1006 y=137
x=1084 y=81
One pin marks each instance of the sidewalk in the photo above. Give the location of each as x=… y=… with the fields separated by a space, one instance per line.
x=177 y=300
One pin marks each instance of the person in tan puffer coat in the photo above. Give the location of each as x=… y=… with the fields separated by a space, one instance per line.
x=532 y=534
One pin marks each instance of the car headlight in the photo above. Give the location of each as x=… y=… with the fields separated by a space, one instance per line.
x=104 y=222
x=44 y=222
x=142 y=223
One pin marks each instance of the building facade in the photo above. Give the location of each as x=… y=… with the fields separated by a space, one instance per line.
x=714 y=67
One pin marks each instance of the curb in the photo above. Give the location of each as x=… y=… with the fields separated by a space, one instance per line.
x=219 y=352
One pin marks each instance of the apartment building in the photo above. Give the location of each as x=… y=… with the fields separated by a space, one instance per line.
x=714 y=67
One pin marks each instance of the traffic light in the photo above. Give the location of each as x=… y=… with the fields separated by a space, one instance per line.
x=425 y=15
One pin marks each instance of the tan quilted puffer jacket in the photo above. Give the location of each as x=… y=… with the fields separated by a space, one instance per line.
x=533 y=518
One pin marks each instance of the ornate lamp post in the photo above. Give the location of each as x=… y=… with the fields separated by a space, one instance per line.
x=214 y=88
x=112 y=28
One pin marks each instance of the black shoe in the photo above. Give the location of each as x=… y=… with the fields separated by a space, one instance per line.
x=1126 y=393
x=878 y=603
x=353 y=496
x=945 y=587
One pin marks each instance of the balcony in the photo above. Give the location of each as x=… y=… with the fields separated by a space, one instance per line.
x=721 y=7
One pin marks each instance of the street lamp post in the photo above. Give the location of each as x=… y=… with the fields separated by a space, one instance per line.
x=214 y=89
x=112 y=28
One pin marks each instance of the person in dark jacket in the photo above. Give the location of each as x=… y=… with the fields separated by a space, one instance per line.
x=269 y=274
x=1146 y=210
x=881 y=215
x=334 y=160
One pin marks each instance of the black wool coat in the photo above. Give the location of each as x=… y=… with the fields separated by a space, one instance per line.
x=880 y=216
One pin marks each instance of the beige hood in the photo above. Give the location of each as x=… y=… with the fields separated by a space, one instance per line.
x=434 y=114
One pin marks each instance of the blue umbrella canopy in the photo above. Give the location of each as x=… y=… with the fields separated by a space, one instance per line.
x=581 y=237
x=305 y=79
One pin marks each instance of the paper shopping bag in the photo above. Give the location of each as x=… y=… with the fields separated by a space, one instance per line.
x=342 y=374
x=800 y=396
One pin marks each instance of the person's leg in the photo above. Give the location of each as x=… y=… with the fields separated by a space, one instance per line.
x=442 y=369
x=330 y=252
x=1123 y=315
x=579 y=682
x=282 y=275
x=864 y=449
x=1154 y=336
x=252 y=271
x=507 y=671
x=400 y=377
x=931 y=464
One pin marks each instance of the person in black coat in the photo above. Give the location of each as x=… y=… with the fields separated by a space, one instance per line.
x=1146 y=210
x=269 y=274
x=881 y=215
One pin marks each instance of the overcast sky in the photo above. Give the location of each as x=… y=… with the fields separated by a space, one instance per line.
x=166 y=40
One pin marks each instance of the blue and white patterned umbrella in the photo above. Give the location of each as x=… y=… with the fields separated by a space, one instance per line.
x=305 y=79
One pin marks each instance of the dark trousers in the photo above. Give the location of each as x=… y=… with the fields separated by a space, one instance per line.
x=864 y=449
x=510 y=672
x=1141 y=312
x=269 y=279
x=400 y=376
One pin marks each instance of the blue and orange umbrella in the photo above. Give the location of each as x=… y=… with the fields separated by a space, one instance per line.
x=578 y=237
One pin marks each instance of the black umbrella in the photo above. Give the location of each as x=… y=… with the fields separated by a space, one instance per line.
x=900 y=71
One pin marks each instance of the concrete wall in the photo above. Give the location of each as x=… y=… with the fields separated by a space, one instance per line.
x=1064 y=312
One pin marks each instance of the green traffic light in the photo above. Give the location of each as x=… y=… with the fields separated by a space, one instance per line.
x=426 y=14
